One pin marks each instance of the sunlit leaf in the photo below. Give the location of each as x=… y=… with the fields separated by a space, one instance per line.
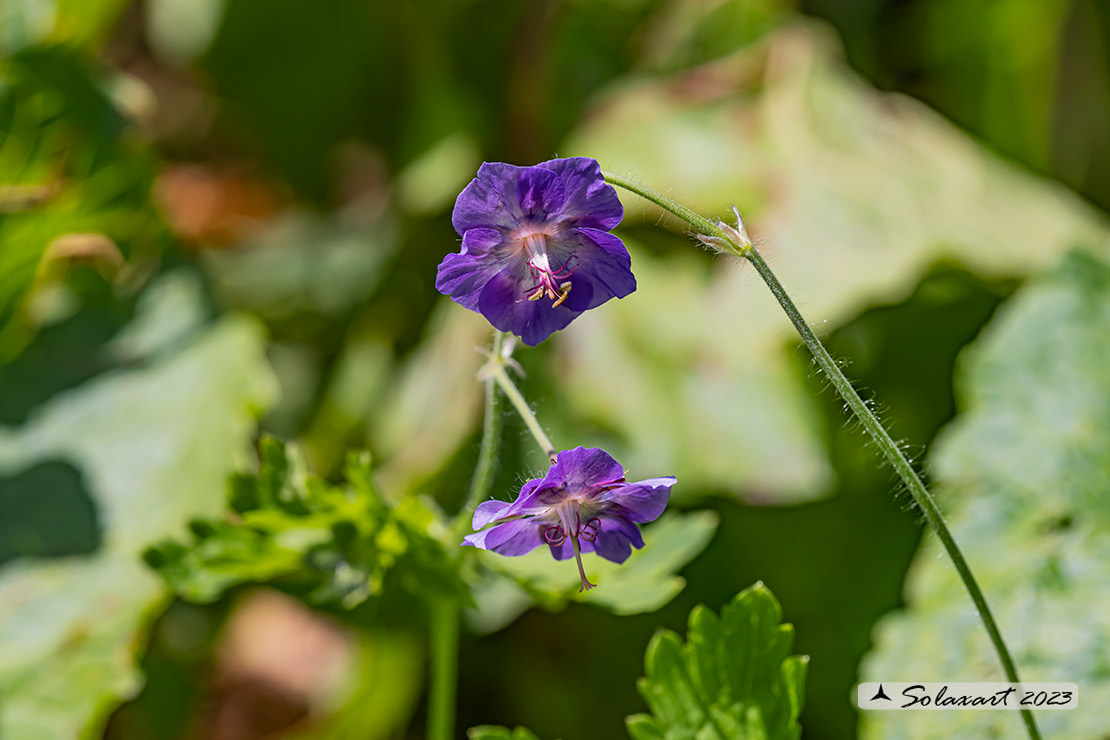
x=733 y=679
x=1022 y=474
x=154 y=445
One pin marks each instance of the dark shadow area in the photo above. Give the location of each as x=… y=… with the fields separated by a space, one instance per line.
x=46 y=511
x=60 y=357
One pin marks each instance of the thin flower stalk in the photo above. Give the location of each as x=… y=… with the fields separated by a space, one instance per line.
x=735 y=241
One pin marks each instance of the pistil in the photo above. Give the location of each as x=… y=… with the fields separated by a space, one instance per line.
x=550 y=283
x=586 y=585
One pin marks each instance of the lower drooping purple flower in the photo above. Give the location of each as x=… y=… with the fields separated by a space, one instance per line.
x=536 y=251
x=583 y=504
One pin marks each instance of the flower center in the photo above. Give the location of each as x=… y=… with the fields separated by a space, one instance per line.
x=571 y=526
x=550 y=283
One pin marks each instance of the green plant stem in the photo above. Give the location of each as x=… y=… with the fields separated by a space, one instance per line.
x=890 y=450
x=522 y=408
x=487 y=450
x=445 y=658
x=445 y=614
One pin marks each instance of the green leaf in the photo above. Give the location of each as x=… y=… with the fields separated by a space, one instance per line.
x=68 y=171
x=331 y=545
x=153 y=446
x=1022 y=474
x=854 y=196
x=492 y=732
x=733 y=679
x=643 y=583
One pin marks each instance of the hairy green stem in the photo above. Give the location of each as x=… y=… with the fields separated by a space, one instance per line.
x=445 y=658
x=487 y=450
x=522 y=408
x=445 y=614
x=890 y=450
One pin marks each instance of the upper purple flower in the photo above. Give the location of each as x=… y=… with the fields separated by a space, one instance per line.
x=536 y=251
x=583 y=504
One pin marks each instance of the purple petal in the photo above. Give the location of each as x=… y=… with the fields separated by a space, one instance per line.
x=487 y=512
x=585 y=467
x=642 y=501
x=540 y=194
x=616 y=539
x=462 y=277
x=502 y=302
x=518 y=537
x=602 y=267
x=490 y=200
x=528 y=501
x=482 y=242
x=590 y=201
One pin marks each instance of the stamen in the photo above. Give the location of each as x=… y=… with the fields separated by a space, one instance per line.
x=548 y=283
x=554 y=535
x=589 y=530
x=586 y=585
x=565 y=287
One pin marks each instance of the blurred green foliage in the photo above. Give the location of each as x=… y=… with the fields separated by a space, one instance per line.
x=328 y=545
x=490 y=732
x=75 y=188
x=168 y=165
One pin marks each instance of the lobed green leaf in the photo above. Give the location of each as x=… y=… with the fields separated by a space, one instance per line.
x=733 y=678
x=332 y=545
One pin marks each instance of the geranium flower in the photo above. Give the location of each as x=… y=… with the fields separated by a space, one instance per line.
x=583 y=504
x=536 y=251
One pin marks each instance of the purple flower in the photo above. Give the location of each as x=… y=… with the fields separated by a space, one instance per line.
x=536 y=251
x=583 y=504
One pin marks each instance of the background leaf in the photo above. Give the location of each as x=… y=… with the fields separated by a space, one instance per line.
x=1022 y=474
x=68 y=627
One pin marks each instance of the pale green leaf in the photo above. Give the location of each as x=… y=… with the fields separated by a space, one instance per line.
x=154 y=445
x=1022 y=474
